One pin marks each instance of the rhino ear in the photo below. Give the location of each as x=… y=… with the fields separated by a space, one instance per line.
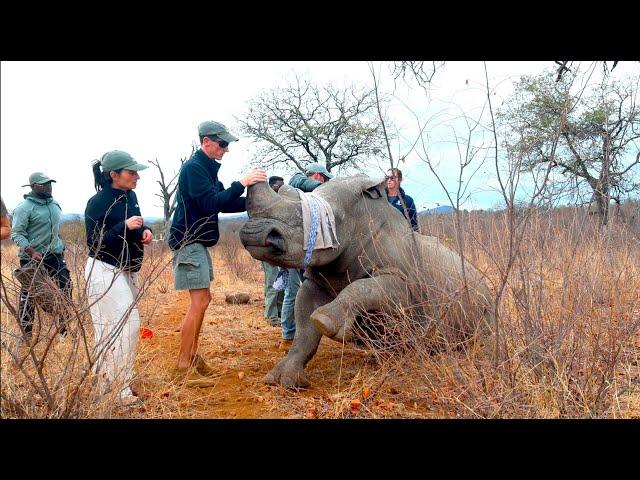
x=375 y=188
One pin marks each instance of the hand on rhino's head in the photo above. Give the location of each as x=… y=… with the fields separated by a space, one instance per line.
x=274 y=232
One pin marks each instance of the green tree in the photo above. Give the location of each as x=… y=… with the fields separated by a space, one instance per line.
x=302 y=123
x=587 y=136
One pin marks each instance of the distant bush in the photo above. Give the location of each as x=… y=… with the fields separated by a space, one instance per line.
x=73 y=232
x=241 y=265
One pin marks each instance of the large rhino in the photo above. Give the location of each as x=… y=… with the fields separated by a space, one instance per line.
x=380 y=265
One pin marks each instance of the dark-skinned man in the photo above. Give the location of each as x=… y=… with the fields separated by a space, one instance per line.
x=36 y=230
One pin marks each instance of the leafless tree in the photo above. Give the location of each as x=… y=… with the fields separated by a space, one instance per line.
x=167 y=188
x=421 y=71
x=468 y=155
x=302 y=123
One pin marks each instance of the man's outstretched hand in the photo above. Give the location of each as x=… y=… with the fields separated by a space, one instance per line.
x=255 y=175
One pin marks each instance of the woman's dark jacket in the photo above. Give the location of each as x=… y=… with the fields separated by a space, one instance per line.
x=411 y=208
x=108 y=238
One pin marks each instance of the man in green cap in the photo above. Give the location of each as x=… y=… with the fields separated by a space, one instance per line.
x=194 y=227
x=36 y=230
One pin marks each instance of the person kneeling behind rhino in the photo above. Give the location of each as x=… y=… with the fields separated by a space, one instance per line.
x=375 y=263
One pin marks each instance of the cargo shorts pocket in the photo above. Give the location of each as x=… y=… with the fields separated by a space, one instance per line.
x=192 y=271
x=190 y=266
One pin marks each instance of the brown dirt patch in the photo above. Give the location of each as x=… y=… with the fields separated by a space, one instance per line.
x=238 y=342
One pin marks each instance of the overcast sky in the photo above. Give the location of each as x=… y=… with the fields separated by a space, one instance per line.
x=56 y=117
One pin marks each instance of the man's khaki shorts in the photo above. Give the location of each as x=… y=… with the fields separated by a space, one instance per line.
x=192 y=267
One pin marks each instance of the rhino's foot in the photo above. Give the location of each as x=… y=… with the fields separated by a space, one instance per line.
x=326 y=325
x=339 y=331
x=287 y=375
x=343 y=334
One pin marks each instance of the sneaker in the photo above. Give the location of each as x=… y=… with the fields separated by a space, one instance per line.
x=273 y=321
x=189 y=377
x=201 y=366
x=128 y=400
x=285 y=345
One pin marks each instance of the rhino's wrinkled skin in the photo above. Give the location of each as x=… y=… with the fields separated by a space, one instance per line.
x=381 y=265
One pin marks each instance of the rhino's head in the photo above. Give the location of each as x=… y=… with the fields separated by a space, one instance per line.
x=274 y=230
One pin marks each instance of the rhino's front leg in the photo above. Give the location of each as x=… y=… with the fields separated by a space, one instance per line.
x=289 y=372
x=383 y=293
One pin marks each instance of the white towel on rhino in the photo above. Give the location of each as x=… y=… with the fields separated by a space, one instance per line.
x=326 y=235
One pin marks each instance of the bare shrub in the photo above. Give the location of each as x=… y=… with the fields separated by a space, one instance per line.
x=53 y=376
x=570 y=322
x=240 y=264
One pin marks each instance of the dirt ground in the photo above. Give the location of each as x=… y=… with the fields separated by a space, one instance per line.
x=238 y=342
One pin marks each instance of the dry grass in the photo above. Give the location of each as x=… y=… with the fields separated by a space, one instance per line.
x=569 y=319
x=237 y=262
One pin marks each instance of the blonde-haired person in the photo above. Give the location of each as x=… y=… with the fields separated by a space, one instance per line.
x=116 y=236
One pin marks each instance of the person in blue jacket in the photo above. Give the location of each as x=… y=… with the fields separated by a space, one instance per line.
x=395 y=192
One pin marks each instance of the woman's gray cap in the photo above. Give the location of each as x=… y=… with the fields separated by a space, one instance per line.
x=318 y=168
x=117 y=159
x=216 y=128
x=38 y=178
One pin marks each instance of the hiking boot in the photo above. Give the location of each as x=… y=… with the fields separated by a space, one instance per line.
x=285 y=345
x=189 y=377
x=201 y=366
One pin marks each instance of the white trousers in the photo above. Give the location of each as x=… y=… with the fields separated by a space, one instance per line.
x=116 y=321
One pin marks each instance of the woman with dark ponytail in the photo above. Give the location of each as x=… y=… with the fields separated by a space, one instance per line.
x=116 y=236
x=101 y=179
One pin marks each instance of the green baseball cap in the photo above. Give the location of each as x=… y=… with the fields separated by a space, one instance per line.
x=39 y=178
x=318 y=168
x=117 y=159
x=216 y=128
